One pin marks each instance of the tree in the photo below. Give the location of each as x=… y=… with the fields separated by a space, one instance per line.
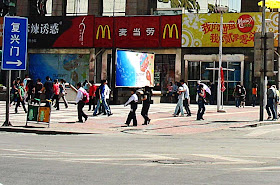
x=190 y=5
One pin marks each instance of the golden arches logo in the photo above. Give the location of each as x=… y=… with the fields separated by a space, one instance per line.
x=103 y=32
x=170 y=28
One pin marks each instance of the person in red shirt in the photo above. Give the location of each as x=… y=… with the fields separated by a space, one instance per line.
x=56 y=91
x=92 y=96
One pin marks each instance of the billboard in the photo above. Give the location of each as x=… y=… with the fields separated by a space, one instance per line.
x=55 y=32
x=134 y=69
x=103 y=32
x=171 y=31
x=73 y=68
x=203 y=30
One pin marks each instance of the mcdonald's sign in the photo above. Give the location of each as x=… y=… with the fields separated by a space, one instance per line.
x=170 y=30
x=103 y=32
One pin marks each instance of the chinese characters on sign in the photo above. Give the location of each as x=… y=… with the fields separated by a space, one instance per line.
x=14 y=43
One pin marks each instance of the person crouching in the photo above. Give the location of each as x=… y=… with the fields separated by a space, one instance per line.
x=133 y=100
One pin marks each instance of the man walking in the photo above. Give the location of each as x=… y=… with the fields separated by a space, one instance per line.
x=270 y=107
x=48 y=87
x=133 y=100
x=81 y=103
x=186 y=98
x=146 y=105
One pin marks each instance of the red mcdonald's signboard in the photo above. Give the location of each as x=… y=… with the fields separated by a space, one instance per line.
x=103 y=32
x=171 y=31
x=137 y=32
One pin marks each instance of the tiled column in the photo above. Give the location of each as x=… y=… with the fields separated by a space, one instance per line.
x=95 y=7
x=140 y=7
x=23 y=8
x=57 y=7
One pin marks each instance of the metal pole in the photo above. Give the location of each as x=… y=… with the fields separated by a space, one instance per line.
x=220 y=64
x=262 y=80
x=7 y=121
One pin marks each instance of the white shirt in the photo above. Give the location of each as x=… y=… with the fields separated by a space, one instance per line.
x=186 y=88
x=133 y=97
x=107 y=92
x=80 y=95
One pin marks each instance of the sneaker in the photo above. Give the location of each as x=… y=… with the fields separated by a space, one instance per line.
x=94 y=115
x=174 y=115
x=269 y=117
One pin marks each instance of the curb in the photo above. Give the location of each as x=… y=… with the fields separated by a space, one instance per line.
x=40 y=132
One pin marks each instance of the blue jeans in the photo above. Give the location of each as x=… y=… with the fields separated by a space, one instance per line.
x=270 y=108
x=237 y=102
x=201 y=109
x=179 y=106
x=104 y=103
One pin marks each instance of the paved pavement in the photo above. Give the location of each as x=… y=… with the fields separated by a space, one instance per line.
x=163 y=123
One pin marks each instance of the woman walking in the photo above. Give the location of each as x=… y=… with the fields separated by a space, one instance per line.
x=201 y=102
x=62 y=93
x=181 y=98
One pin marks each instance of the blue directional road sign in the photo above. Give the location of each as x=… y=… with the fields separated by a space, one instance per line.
x=14 y=43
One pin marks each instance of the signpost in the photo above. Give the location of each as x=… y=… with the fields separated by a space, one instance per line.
x=14 y=51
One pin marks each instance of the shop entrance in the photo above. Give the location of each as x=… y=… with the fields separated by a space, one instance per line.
x=206 y=70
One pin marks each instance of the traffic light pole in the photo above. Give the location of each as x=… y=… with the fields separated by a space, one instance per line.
x=263 y=73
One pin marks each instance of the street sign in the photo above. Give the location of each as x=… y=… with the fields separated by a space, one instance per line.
x=14 y=43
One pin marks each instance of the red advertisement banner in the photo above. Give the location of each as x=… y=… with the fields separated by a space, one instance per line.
x=171 y=31
x=137 y=32
x=103 y=32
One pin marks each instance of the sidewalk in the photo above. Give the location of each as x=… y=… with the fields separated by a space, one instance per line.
x=163 y=123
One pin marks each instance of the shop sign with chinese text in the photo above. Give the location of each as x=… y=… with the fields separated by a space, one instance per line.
x=203 y=30
x=68 y=32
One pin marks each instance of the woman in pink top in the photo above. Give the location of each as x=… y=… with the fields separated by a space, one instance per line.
x=56 y=91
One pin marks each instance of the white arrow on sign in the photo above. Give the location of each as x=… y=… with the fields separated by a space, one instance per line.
x=18 y=62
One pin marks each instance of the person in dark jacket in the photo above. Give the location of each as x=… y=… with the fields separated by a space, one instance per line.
x=133 y=100
x=146 y=105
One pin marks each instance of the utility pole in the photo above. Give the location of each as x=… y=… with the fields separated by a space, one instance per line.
x=219 y=92
x=263 y=79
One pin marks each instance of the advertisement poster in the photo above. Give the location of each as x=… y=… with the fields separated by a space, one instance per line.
x=55 y=31
x=44 y=114
x=203 y=30
x=134 y=69
x=73 y=68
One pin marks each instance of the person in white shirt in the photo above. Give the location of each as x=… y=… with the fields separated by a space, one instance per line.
x=187 y=97
x=179 y=107
x=133 y=100
x=81 y=104
x=107 y=92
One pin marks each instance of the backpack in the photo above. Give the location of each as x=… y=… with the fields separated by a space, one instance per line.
x=85 y=96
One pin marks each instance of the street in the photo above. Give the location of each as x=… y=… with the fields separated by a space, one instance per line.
x=227 y=155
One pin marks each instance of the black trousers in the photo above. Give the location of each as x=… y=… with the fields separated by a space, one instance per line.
x=56 y=98
x=92 y=101
x=131 y=116
x=144 y=112
x=81 y=113
x=20 y=102
x=48 y=97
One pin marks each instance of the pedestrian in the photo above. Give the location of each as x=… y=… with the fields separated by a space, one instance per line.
x=146 y=105
x=38 y=87
x=25 y=80
x=56 y=91
x=29 y=89
x=13 y=93
x=20 y=98
x=133 y=100
x=48 y=89
x=179 y=106
x=186 y=101
x=170 y=91
x=92 y=96
x=270 y=107
x=175 y=90
x=80 y=100
x=86 y=85
x=62 y=92
x=201 y=102
x=243 y=96
x=107 y=92
x=102 y=100
x=237 y=94
x=277 y=99
x=254 y=94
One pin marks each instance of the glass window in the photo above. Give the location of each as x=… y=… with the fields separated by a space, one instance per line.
x=116 y=8
x=207 y=74
x=76 y=7
x=236 y=74
x=164 y=71
x=194 y=70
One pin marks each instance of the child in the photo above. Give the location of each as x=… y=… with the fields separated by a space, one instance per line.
x=133 y=104
x=20 y=98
